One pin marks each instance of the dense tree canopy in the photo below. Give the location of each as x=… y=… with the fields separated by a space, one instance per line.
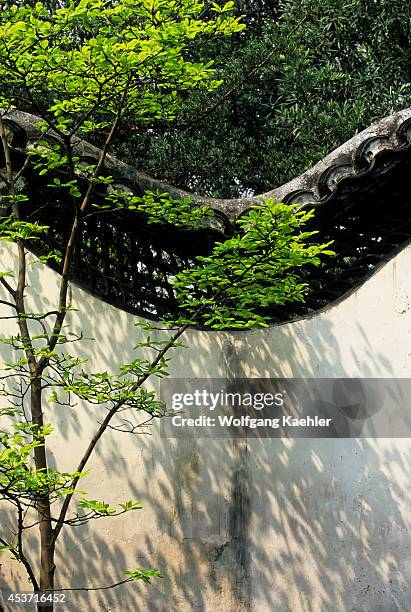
x=299 y=81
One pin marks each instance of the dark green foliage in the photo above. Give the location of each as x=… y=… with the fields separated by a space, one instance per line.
x=321 y=71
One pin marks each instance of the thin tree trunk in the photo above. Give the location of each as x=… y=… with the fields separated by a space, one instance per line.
x=47 y=545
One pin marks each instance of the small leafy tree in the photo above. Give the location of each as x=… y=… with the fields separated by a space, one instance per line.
x=82 y=69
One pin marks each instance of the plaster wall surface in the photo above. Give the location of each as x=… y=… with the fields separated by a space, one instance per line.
x=303 y=525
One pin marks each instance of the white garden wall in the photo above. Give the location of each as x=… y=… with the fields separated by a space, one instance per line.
x=266 y=525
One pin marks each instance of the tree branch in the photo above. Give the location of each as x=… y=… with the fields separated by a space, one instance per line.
x=71 y=244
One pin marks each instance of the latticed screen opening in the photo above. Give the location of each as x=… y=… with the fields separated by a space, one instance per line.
x=369 y=220
x=128 y=263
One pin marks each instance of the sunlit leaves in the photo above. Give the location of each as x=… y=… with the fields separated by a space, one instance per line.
x=93 y=57
x=18 y=476
x=12 y=229
x=257 y=268
x=162 y=208
x=143 y=575
x=99 y=508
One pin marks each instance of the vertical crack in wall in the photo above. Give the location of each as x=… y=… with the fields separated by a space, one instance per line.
x=239 y=527
x=239 y=508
